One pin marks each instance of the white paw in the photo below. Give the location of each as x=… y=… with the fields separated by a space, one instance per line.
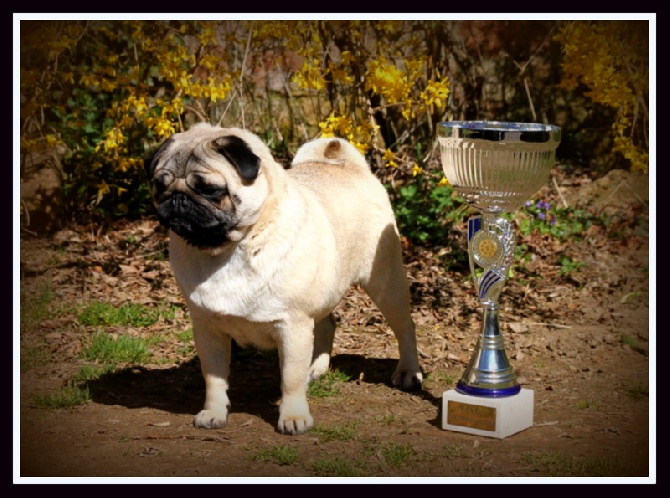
x=211 y=419
x=294 y=417
x=319 y=367
x=407 y=379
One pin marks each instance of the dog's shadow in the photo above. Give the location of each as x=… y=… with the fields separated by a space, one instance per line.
x=254 y=384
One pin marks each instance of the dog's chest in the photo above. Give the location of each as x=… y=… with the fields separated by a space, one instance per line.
x=224 y=288
x=230 y=302
x=228 y=291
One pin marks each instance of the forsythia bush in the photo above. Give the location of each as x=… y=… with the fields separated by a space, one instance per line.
x=611 y=60
x=110 y=90
x=366 y=68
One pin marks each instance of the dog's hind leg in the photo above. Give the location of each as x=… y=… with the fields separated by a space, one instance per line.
x=324 y=333
x=393 y=302
x=388 y=287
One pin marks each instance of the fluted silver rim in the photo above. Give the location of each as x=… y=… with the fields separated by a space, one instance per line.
x=499 y=131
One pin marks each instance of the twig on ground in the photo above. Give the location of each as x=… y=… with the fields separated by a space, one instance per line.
x=560 y=194
x=555 y=325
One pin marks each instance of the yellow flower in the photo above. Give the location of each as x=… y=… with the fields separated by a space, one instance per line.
x=347 y=57
x=103 y=189
x=389 y=159
x=362 y=148
x=207 y=37
x=416 y=170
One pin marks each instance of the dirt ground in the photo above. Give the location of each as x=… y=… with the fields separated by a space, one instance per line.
x=582 y=342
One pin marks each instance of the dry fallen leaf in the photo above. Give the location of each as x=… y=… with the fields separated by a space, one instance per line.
x=160 y=424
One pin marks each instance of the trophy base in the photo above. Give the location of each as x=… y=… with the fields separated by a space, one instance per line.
x=491 y=417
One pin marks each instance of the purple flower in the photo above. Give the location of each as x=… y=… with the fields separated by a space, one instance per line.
x=541 y=216
x=528 y=203
x=553 y=221
x=539 y=205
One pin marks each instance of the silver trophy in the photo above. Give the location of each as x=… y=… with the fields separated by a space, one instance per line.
x=496 y=167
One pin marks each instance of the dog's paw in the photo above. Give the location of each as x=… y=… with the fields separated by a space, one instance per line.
x=407 y=379
x=294 y=417
x=295 y=425
x=211 y=419
x=319 y=367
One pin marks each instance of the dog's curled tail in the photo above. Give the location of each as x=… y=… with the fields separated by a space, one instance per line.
x=336 y=151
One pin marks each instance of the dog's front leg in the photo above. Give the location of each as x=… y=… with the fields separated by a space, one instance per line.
x=295 y=354
x=214 y=353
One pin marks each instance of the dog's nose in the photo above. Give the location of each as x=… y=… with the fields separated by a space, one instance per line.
x=179 y=202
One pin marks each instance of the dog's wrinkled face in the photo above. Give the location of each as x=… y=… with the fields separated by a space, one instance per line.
x=207 y=186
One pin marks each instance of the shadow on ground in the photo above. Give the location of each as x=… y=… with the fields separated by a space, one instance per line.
x=255 y=383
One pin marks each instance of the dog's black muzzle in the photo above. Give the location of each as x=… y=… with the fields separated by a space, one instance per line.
x=199 y=225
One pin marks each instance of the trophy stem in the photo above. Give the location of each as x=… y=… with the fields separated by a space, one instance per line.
x=489 y=372
x=491 y=243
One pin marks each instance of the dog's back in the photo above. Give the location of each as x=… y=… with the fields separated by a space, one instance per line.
x=352 y=198
x=334 y=151
x=337 y=172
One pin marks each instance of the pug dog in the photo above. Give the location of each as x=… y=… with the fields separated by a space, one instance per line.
x=263 y=254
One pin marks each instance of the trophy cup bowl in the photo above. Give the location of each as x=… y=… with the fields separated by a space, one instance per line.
x=496 y=166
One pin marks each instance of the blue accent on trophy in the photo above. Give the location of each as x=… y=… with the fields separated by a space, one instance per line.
x=486 y=282
x=474 y=225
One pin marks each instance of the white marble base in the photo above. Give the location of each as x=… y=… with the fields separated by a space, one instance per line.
x=492 y=417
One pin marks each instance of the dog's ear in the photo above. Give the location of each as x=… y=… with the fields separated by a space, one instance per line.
x=151 y=160
x=239 y=154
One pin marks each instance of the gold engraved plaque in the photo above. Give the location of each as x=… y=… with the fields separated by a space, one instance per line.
x=474 y=416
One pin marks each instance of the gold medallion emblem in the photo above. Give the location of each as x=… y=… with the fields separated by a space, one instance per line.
x=487 y=248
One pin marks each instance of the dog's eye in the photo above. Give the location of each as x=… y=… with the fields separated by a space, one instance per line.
x=212 y=192
x=163 y=181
